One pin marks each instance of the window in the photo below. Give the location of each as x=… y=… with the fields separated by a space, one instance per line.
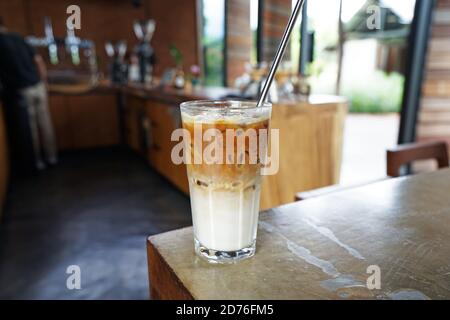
x=254 y=16
x=213 y=41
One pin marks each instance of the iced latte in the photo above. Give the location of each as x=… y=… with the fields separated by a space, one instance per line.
x=225 y=158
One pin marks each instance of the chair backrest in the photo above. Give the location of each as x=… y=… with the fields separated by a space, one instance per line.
x=407 y=153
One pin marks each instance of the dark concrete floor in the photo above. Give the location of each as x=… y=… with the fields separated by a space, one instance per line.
x=95 y=210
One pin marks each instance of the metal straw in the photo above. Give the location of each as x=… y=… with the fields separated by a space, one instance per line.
x=280 y=52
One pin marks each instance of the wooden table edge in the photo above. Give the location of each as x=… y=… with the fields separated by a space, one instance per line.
x=164 y=284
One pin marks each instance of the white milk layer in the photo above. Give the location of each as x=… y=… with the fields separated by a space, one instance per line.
x=225 y=220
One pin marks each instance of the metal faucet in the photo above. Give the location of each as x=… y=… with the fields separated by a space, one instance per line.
x=72 y=46
x=51 y=43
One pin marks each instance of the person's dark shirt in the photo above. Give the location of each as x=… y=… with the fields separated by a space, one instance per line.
x=17 y=66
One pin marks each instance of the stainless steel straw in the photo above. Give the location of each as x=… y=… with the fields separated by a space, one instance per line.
x=280 y=52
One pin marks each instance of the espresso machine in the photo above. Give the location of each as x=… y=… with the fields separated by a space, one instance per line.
x=71 y=58
x=118 y=67
x=144 y=32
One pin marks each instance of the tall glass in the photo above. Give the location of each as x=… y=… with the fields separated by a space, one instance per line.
x=224 y=175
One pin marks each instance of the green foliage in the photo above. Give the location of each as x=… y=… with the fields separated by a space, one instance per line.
x=213 y=51
x=379 y=93
x=176 y=55
x=213 y=47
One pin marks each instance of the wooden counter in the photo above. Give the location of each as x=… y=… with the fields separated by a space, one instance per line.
x=87 y=116
x=84 y=116
x=311 y=142
x=151 y=115
x=310 y=138
x=310 y=132
x=4 y=160
x=172 y=95
x=323 y=248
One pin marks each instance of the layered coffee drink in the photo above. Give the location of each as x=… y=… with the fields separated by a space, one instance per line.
x=225 y=155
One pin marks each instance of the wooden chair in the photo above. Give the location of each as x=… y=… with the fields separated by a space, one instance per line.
x=408 y=153
x=395 y=158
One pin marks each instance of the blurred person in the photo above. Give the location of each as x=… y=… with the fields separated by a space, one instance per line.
x=23 y=73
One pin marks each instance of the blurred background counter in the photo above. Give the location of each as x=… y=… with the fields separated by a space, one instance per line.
x=143 y=119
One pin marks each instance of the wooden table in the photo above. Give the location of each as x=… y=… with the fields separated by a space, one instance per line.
x=322 y=248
